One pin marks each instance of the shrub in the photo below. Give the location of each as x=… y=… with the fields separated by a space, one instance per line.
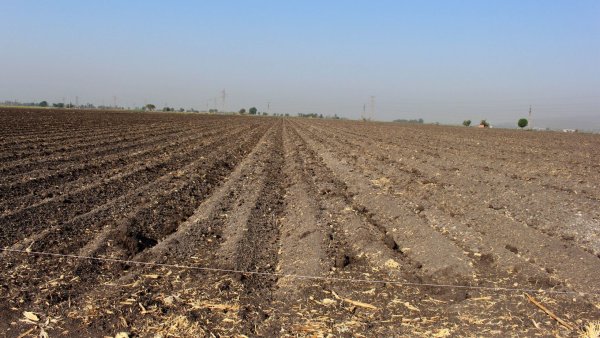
x=466 y=123
x=522 y=123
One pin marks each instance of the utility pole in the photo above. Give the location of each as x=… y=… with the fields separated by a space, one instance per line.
x=114 y=101
x=362 y=116
x=77 y=101
x=372 y=108
x=269 y=108
x=530 y=120
x=223 y=97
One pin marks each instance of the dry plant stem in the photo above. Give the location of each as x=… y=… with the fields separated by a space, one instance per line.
x=549 y=313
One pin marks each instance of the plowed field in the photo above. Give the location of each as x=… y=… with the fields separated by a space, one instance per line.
x=192 y=225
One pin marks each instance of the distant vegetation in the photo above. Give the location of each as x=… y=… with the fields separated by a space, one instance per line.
x=409 y=121
x=484 y=124
x=313 y=115
x=317 y=116
x=522 y=123
x=466 y=123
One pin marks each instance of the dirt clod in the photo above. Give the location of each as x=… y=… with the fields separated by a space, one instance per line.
x=512 y=248
x=390 y=242
x=341 y=261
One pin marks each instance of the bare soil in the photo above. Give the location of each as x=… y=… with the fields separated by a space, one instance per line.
x=411 y=229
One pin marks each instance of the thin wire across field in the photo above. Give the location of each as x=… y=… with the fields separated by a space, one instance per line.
x=296 y=276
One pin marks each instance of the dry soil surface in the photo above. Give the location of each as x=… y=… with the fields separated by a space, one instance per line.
x=263 y=226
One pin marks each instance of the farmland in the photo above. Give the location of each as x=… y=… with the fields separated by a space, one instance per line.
x=492 y=215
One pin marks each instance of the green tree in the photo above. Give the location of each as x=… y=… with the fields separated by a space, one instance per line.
x=242 y=111
x=253 y=111
x=43 y=104
x=484 y=123
x=150 y=107
x=522 y=123
x=466 y=123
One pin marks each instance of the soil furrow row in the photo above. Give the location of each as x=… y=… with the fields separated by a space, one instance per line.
x=69 y=206
x=147 y=228
x=89 y=175
x=530 y=210
x=97 y=147
x=112 y=137
x=518 y=236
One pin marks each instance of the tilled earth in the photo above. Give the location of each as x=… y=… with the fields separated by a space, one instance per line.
x=263 y=226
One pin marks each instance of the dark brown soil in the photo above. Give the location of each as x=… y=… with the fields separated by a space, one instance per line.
x=383 y=214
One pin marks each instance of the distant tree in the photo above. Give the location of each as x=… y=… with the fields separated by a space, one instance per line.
x=253 y=111
x=181 y=110
x=70 y=105
x=522 y=123
x=265 y=113
x=58 y=105
x=484 y=124
x=43 y=104
x=242 y=111
x=150 y=107
x=466 y=123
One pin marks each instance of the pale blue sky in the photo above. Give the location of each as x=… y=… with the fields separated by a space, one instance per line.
x=441 y=60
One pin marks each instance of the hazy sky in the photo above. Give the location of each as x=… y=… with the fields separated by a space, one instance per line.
x=440 y=60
